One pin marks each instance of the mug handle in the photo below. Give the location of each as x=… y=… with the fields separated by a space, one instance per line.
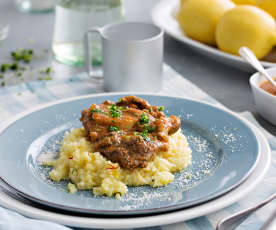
x=88 y=54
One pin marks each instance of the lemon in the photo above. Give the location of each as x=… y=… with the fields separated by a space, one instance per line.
x=198 y=18
x=244 y=2
x=269 y=6
x=181 y=3
x=246 y=26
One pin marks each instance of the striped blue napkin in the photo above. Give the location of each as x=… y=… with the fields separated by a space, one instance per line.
x=18 y=98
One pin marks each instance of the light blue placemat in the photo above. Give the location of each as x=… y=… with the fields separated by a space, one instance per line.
x=16 y=99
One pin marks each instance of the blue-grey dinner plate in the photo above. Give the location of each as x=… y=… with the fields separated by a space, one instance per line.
x=224 y=151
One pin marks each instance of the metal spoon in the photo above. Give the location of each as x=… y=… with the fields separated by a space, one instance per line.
x=250 y=57
x=231 y=222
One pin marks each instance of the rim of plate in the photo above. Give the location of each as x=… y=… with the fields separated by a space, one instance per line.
x=169 y=6
x=155 y=220
x=127 y=212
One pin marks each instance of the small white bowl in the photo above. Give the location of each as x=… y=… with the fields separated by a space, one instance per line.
x=265 y=102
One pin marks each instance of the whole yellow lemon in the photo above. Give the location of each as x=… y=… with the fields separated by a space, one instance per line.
x=269 y=6
x=181 y=3
x=246 y=26
x=198 y=18
x=244 y=2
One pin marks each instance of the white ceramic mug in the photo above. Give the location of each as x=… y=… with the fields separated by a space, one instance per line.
x=132 y=56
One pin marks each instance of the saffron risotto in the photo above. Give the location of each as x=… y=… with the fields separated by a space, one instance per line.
x=90 y=170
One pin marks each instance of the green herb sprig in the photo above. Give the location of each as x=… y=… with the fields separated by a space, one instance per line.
x=144 y=119
x=113 y=129
x=148 y=128
x=161 y=108
x=96 y=110
x=115 y=111
x=25 y=55
x=144 y=135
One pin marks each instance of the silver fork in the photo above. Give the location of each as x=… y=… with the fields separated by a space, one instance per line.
x=233 y=221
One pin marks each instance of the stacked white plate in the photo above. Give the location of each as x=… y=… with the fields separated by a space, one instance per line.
x=152 y=217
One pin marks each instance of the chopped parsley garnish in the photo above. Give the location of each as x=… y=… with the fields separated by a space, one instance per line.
x=48 y=78
x=14 y=66
x=161 y=108
x=1 y=76
x=144 y=119
x=188 y=176
x=148 y=128
x=48 y=70
x=27 y=58
x=115 y=111
x=144 y=135
x=25 y=55
x=96 y=110
x=113 y=129
x=3 y=84
x=4 y=67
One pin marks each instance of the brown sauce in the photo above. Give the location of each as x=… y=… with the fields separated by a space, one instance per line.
x=268 y=87
x=129 y=132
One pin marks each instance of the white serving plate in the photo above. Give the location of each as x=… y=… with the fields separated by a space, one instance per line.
x=164 y=15
x=229 y=160
x=94 y=221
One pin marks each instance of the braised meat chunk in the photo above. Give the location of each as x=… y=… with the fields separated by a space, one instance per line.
x=129 y=132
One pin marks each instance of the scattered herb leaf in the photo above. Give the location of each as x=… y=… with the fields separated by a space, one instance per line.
x=144 y=135
x=148 y=128
x=25 y=55
x=144 y=119
x=14 y=66
x=96 y=110
x=48 y=70
x=48 y=78
x=115 y=111
x=4 y=67
x=161 y=108
x=188 y=176
x=113 y=129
